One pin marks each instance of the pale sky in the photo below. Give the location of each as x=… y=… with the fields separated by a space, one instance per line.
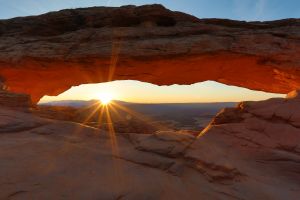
x=249 y=10
x=135 y=91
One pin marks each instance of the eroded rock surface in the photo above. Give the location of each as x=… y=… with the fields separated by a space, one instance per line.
x=257 y=143
x=248 y=152
x=47 y=54
x=14 y=100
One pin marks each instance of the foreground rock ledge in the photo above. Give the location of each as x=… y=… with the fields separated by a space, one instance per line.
x=47 y=54
x=248 y=152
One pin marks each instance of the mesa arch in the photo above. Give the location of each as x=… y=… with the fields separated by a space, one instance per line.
x=47 y=54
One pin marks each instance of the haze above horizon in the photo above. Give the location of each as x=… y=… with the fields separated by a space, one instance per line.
x=141 y=92
x=135 y=91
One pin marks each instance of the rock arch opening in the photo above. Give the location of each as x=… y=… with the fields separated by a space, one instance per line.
x=143 y=92
x=143 y=107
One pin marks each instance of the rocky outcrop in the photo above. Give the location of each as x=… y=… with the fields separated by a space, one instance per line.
x=14 y=100
x=248 y=152
x=257 y=143
x=47 y=54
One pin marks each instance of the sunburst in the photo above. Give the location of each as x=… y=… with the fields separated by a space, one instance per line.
x=105 y=98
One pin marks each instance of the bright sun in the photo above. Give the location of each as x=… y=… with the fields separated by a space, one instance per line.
x=105 y=98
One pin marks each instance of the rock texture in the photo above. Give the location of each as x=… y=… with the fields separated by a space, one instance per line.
x=47 y=54
x=248 y=152
x=14 y=100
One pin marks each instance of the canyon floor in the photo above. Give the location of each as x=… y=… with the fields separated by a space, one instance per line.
x=248 y=152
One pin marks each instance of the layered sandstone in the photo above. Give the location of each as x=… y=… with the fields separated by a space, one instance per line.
x=47 y=54
x=248 y=152
x=14 y=100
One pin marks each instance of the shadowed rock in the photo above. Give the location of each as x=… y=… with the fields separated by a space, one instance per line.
x=14 y=100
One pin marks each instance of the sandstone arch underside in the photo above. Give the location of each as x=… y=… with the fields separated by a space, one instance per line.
x=47 y=54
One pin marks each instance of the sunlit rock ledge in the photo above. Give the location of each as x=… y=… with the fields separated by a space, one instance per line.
x=47 y=54
x=248 y=152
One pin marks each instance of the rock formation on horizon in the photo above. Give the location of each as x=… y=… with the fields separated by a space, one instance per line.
x=47 y=54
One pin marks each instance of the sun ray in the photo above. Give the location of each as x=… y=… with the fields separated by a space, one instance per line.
x=115 y=111
x=141 y=117
x=116 y=48
x=118 y=173
x=100 y=117
x=92 y=114
x=112 y=132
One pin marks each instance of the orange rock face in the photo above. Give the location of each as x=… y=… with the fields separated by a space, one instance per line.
x=47 y=54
